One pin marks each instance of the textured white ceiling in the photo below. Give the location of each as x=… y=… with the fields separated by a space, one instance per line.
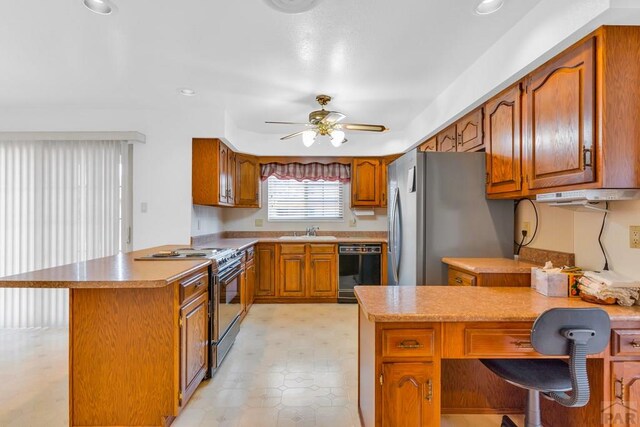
x=382 y=61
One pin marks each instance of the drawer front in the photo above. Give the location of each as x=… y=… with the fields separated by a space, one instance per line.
x=193 y=286
x=458 y=278
x=292 y=249
x=498 y=343
x=316 y=248
x=625 y=342
x=408 y=343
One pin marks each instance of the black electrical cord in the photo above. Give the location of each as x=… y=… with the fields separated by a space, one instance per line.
x=604 y=253
x=524 y=236
x=535 y=229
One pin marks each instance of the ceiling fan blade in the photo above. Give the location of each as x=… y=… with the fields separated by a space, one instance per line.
x=362 y=127
x=292 y=135
x=333 y=117
x=289 y=123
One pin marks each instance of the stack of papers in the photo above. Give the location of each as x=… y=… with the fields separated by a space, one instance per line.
x=612 y=279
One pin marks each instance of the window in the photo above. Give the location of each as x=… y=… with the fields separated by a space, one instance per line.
x=304 y=200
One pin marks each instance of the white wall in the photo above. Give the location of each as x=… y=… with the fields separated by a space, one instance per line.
x=162 y=166
x=577 y=232
x=244 y=219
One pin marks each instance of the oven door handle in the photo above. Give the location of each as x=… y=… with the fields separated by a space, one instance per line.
x=230 y=276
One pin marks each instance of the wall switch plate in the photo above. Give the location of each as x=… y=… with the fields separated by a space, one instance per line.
x=634 y=236
x=259 y=222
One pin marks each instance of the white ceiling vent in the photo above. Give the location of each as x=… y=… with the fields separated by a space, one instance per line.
x=292 y=6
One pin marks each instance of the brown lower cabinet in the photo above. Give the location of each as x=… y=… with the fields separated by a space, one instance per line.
x=194 y=335
x=407 y=394
x=296 y=272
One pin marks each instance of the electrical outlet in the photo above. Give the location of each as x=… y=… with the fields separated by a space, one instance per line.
x=634 y=236
x=259 y=222
x=526 y=226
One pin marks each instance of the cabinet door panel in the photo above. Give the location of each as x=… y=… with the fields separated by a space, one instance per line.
x=447 y=139
x=502 y=142
x=194 y=336
x=469 y=130
x=429 y=145
x=223 y=172
x=626 y=392
x=408 y=398
x=231 y=177
x=247 y=181
x=365 y=182
x=560 y=120
x=251 y=283
x=322 y=276
x=292 y=275
x=265 y=270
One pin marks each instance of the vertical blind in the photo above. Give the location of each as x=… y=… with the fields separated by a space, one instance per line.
x=60 y=202
x=290 y=199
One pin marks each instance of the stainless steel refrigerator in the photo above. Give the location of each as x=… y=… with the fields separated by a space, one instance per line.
x=437 y=208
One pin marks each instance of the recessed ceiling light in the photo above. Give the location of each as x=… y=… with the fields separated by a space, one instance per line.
x=486 y=7
x=292 y=6
x=98 y=6
x=187 y=92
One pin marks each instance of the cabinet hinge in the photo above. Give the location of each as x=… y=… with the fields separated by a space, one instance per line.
x=587 y=157
x=381 y=379
x=180 y=399
x=180 y=321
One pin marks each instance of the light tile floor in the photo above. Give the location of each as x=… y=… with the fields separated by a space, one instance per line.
x=291 y=365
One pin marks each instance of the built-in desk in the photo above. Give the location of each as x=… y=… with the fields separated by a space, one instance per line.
x=419 y=349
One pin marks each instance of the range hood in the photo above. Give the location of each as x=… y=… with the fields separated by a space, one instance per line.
x=587 y=200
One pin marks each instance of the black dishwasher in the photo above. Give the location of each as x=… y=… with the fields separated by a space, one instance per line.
x=358 y=264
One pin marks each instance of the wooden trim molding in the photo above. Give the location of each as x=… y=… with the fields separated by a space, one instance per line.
x=130 y=137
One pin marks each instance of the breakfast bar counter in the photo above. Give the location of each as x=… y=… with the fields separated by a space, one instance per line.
x=419 y=350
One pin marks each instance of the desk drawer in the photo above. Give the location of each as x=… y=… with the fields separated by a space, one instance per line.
x=410 y=343
x=625 y=342
x=458 y=278
x=193 y=286
x=498 y=343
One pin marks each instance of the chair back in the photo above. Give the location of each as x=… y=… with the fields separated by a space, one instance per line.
x=549 y=332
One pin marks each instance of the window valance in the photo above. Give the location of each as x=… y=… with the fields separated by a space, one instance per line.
x=311 y=171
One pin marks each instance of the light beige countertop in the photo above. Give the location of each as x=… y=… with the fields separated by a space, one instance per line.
x=118 y=271
x=467 y=304
x=490 y=265
x=241 y=243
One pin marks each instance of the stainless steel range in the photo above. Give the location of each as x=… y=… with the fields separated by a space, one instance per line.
x=224 y=295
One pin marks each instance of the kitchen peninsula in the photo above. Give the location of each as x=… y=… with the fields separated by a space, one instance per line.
x=137 y=338
x=418 y=351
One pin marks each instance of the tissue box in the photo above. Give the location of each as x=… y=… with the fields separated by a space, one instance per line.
x=550 y=284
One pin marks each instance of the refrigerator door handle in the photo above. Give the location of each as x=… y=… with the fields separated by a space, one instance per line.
x=397 y=242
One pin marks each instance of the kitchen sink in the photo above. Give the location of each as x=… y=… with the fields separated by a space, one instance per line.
x=308 y=238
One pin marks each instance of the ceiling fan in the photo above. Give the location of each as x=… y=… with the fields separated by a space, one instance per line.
x=325 y=122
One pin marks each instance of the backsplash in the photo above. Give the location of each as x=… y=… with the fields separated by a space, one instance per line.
x=577 y=232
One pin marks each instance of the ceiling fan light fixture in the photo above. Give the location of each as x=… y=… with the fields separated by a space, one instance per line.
x=309 y=137
x=486 y=7
x=101 y=7
x=337 y=138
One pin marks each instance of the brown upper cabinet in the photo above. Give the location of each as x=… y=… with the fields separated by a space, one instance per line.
x=247 y=181
x=579 y=121
x=220 y=177
x=366 y=186
x=503 y=142
x=447 y=139
x=429 y=145
x=469 y=131
x=462 y=136
x=560 y=125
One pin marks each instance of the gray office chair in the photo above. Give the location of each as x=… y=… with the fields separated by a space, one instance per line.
x=575 y=332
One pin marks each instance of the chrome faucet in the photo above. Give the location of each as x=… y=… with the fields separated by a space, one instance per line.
x=312 y=231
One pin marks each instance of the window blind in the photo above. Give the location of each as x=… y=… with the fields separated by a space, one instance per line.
x=304 y=200
x=60 y=202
